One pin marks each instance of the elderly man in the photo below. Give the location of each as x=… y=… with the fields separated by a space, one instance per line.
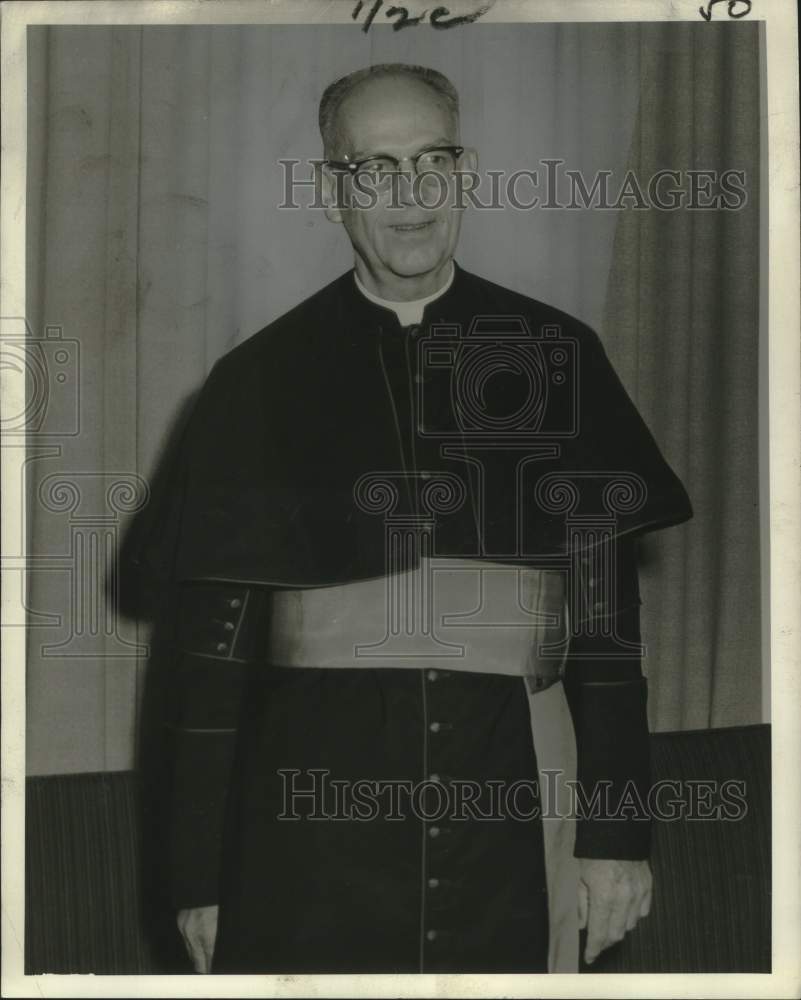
x=380 y=597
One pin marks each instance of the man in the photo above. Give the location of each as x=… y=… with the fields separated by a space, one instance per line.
x=375 y=579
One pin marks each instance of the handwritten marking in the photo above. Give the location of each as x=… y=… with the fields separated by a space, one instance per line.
x=706 y=13
x=439 y=18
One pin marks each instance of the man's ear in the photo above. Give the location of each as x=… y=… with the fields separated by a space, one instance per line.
x=332 y=192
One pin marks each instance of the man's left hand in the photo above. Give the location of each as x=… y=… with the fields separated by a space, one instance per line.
x=613 y=895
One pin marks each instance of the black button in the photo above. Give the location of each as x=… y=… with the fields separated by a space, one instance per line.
x=433 y=883
x=434 y=727
x=222 y=647
x=234 y=602
x=229 y=626
x=433 y=831
x=431 y=935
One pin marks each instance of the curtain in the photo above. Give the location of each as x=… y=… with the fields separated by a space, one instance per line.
x=682 y=326
x=155 y=245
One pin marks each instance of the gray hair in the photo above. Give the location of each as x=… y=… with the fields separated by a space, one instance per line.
x=336 y=92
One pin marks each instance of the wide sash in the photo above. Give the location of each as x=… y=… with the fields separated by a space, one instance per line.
x=449 y=614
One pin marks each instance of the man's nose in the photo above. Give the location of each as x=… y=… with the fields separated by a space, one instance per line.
x=405 y=185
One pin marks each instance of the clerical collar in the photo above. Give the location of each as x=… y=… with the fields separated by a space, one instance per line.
x=407 y=312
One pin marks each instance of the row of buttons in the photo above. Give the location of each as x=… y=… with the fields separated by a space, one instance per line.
x=623 y=590
x=210 y=617
x=435 y=832
x=234 y=603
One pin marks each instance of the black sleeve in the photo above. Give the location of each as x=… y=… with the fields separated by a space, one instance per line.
x=197 y=675
x=607 y=695
x=205 y=687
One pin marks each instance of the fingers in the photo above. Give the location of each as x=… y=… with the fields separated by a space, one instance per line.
x=201 y=957
x=638 y=887
x=198 y=927
x=600 y=909
x=198 y=959
x=200 y=948
x=634 y=909
x=648 y=891
x=618 y=917
x=617 y=895
x=194 y=947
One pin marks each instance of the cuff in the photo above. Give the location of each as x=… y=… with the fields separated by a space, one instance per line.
x=613 y=768
x=201 y=775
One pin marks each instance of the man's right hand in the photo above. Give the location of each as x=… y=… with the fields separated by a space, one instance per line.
x=198 y=927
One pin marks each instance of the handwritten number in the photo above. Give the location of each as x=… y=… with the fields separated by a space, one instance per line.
x=731 y=9
x=437 y=17
x=404 y=21
x=371 y=16
x=733 y=4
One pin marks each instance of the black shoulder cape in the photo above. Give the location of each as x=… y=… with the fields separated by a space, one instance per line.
x=496 y=429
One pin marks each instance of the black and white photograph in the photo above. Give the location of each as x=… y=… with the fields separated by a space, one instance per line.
x=400 y=444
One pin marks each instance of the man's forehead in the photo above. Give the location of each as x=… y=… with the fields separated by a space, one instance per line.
x=393 y=111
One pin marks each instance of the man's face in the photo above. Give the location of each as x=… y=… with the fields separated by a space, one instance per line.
x=402 y=249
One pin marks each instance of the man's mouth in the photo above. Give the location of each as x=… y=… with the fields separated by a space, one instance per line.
x=412 y=227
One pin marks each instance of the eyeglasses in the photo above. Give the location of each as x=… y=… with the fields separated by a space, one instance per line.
x=435 y=160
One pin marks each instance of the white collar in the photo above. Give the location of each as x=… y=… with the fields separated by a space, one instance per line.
x=407 y=312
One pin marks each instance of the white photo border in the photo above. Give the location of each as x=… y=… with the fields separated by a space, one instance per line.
x=780 y=478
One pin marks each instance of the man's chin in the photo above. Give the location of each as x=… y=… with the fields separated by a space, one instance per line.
x=416 y=265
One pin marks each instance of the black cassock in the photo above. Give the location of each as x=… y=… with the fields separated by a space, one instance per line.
x=498 y=424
